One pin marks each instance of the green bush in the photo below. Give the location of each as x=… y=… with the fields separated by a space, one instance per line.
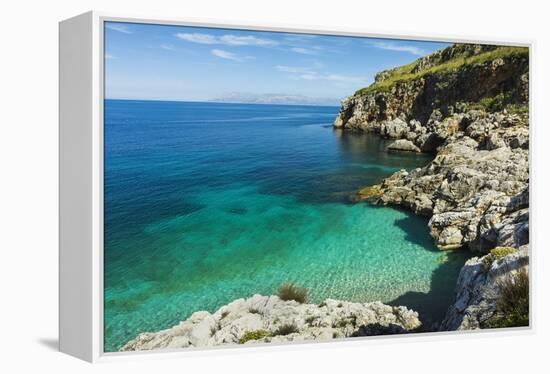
x=500 y=252
x=253 y=335
x=286 y=329
x=512 y=309
x=289 y=291
x=495 y=254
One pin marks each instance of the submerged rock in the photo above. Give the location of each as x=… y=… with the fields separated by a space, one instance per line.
x=269 y=319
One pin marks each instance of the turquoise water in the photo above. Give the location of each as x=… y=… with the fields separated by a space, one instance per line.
x=206 y=203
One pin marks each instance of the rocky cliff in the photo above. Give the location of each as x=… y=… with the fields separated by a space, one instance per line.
x=468 y=105
x=441 y=82
x=269 y=319
x=479 y=289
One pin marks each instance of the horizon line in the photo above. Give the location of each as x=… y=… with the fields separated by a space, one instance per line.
x=216 y=102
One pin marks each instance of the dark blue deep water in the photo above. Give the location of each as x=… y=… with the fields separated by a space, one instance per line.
x=209 y=202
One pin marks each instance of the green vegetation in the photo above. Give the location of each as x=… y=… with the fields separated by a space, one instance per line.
x=405 y=73
x=498 y=103
x=495 y=254
x=289 y=291
x=286 y=329
x=253 y=335
x=513 y=305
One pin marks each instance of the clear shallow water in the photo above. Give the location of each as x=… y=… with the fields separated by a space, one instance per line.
x=209 y=202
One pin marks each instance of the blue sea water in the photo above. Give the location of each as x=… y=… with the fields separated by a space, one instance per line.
x=209 y=202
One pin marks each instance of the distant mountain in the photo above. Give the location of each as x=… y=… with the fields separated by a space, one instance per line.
x=274 y=98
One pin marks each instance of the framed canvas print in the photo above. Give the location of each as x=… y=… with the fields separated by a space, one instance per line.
x=227 y=186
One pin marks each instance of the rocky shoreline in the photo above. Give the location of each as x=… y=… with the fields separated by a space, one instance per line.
x=467 y=105
x=474 y=118
x=268 y=319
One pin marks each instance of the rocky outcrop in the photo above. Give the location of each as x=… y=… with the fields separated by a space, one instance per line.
x=478 y=289
x=476 y=188
x=270 y=319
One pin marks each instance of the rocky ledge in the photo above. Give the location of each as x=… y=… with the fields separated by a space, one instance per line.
x=269 y=319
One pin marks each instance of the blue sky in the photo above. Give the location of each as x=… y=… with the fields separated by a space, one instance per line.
x=159 y=62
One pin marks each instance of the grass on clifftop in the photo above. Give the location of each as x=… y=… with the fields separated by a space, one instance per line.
x=404 y=73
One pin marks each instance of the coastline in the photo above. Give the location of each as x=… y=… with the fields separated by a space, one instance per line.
x=266 y=319
x=475 y=191
x=310 y=234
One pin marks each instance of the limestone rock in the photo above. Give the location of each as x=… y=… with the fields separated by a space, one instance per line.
x=395 y=129
x=280 y=321
x=477 y=289
x=475 y=190
x=403 y=145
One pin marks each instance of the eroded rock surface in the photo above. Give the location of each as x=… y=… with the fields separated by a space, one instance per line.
x=478 y=291
x=476 y=188
x=275 y=320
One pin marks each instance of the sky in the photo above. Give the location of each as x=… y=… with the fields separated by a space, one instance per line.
x=162 y=62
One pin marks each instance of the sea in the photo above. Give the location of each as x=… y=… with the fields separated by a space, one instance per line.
x=205 y=203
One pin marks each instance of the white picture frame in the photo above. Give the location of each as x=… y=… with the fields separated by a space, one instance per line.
x=81 y=183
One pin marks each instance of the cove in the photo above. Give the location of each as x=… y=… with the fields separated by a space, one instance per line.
x=209 y=202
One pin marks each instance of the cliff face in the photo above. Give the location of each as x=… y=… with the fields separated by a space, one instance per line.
x=443 y=81
x=467 y=104
x=479 y=291
x=263 y=319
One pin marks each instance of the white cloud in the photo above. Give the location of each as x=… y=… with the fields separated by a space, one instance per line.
x=344 y=78
x=300 y=37
x=310 y=77
x=197 y=38
x=333 y=78
x=232 y=40
x=305 y=51
x=226 y=55
x=293 y=69
x=118 y=27
x=109 y=56
x=168 y=47
x=311 y=74
x=399 y=48
x=246 y=40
